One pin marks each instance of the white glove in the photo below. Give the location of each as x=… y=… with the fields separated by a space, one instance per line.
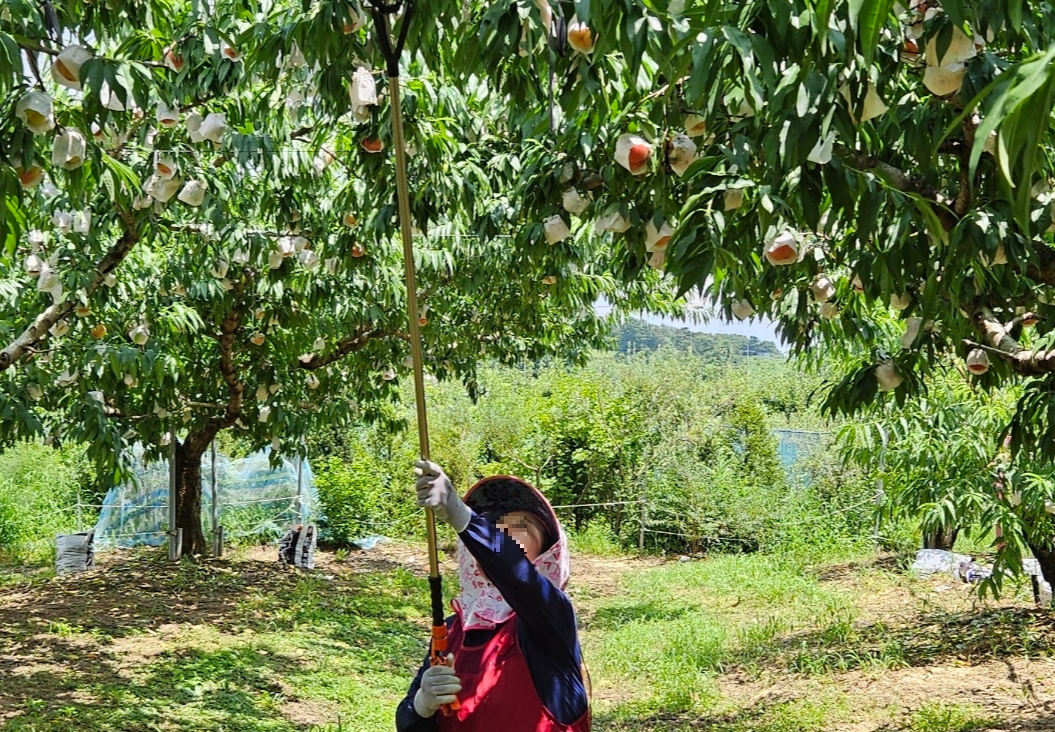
x=436 y=491
x=439 y=686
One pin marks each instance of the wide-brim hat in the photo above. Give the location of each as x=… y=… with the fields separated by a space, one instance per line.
x=505 y=493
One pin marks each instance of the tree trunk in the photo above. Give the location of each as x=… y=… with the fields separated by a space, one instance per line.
x=188 y=494
x=1046 y=560
x=941 y=539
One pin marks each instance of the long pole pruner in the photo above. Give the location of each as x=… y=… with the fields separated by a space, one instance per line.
x=381 y=13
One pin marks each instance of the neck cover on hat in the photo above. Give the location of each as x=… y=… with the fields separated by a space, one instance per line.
x=480 y=604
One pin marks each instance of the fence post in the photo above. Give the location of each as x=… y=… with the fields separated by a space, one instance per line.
x=880 y=493
x=644 y=517
x=300 y=489
x=175 y=535
x=217 y=534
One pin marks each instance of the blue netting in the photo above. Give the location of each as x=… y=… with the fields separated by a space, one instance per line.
x=794 y=446
x=254 y=500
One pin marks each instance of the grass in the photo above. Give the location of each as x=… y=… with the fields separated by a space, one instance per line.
x=746 y=643
x=595 y=539
x=245 y=649
x=674 y=629
x=944 y=717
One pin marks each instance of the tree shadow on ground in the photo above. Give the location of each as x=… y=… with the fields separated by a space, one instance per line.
x=186 y=689
x=850 y=570
x=928 y=639
x=781 y=713
x=99 y=650
x=140 y=590
x=772 y=714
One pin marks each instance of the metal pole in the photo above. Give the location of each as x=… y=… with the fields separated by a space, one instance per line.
x=880 y=493
x=217 y=544
x=644 y=517
x=174 y=535
x=300 y=489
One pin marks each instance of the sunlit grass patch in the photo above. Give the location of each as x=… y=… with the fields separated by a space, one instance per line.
x=944 y=717
x=674 y=629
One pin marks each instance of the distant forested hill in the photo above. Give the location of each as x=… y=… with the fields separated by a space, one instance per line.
x=637 y=335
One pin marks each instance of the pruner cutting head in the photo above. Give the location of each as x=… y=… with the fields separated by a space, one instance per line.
x=386 y=8
x=558 y=33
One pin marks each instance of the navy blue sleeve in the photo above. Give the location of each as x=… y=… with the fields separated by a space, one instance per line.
x=408 y=720
x=545 y=618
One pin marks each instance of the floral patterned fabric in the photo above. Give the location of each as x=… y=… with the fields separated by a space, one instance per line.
x=480 y=604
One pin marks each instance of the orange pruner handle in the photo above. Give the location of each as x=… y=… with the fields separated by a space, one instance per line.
x=439 y=658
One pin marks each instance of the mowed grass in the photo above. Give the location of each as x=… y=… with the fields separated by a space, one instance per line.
x=672 y=631
x=242 y=645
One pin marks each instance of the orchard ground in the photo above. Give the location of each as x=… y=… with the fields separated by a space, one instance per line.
x=730 y=643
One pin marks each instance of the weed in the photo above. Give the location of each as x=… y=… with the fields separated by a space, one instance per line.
x=595 y=538
x=943 y=717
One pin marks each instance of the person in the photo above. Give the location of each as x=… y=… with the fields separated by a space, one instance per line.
x=515 y=663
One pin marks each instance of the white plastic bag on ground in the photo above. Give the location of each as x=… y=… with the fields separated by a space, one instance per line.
x=932 y=561
x=74 y=552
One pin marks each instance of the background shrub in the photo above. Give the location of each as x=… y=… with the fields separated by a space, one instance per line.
x=39 y=491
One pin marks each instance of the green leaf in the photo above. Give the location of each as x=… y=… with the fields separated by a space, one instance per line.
x=582 y=10
x=955 y=10
x=107 y=179
x=124 y=173
x=868 y=17
x=1018 y=107
x=1014 y=12
x=703 y=69
x=822 y=12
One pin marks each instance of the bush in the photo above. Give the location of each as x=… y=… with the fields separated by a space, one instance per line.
x=694 y=440
x=830 y=508
x=360 y=496
x=39 y=490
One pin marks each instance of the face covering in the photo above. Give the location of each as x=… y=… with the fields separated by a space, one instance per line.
x=480 y=604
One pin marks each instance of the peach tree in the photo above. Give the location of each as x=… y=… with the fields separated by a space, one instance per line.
x=873 y=176
x=828 y=165
x=198 y=230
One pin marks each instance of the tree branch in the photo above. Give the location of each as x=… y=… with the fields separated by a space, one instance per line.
x=363 y=335
x=205 y=405
x=113 y=257
x=963 y=195
x=29 y=45
x=1000 y=343
x=898 y=178
x=952 y=147
x=1044 y=269
x=232 y=323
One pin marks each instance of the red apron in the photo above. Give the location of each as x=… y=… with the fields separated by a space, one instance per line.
x=497 y=689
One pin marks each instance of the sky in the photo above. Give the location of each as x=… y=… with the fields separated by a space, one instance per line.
x=758 y=327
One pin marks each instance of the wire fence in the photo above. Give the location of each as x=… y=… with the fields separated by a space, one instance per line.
x=241 y=498
x=133 y=519
x=794 y=448
x=652 y=514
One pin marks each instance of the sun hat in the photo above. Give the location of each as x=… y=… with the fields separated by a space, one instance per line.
x=502 y=494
